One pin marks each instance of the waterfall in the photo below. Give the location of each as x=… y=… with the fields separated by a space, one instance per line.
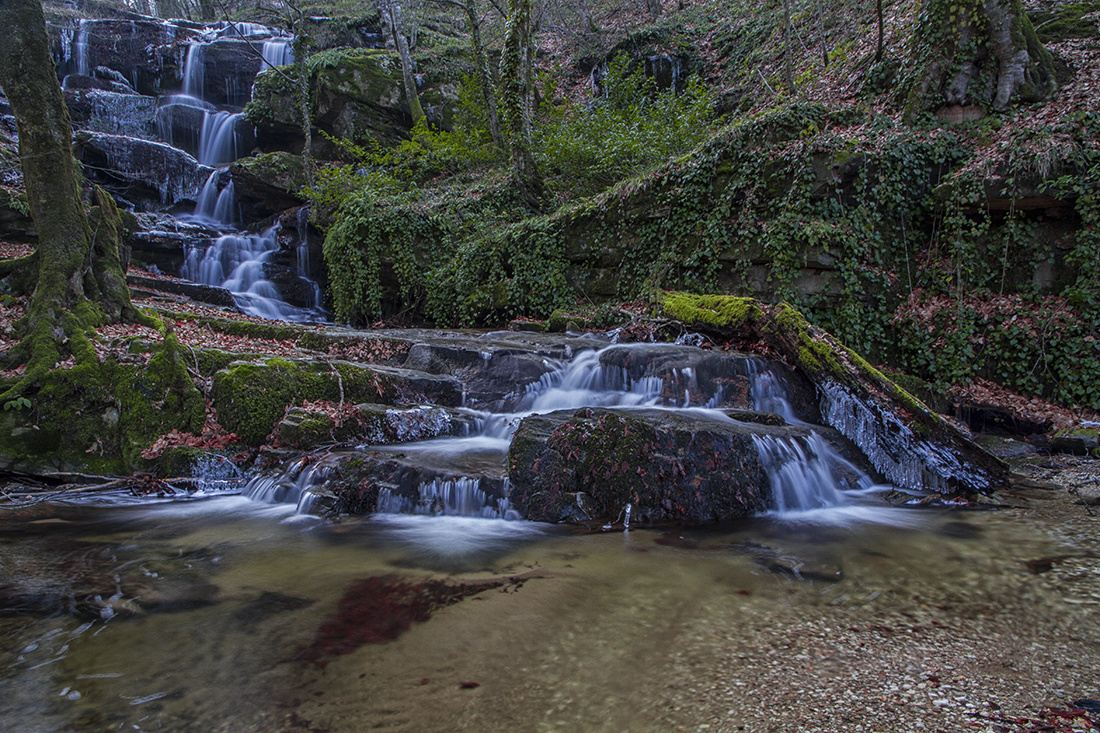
x=80 y=49
x=277 y=52
x=461 y=497
x=219 y=140
x=194 y=70
x=806 y=473
x=807 y=478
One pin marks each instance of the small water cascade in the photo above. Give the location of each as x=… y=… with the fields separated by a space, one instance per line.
x=219 y=141
x=462 y=497
x=805 y=472
x=277 y=52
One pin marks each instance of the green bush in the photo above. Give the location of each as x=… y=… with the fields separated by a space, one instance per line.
x=632 y=128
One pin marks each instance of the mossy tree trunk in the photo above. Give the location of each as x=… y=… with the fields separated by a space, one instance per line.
x=481 y=67
x=391 y=10
x=80 y=281
x=517 y=101
x=978 y=52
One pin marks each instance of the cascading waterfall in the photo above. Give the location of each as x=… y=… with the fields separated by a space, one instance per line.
x=219 y=141
x=277 y=52
x=805 y=472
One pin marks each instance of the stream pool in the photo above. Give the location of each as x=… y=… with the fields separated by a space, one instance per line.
x=225 y=614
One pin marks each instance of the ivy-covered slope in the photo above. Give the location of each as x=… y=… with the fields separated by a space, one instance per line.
x=912 y=244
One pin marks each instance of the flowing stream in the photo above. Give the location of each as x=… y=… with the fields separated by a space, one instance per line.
x=209 y=124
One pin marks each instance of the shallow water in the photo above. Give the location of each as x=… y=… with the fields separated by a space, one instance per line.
x=219 y=599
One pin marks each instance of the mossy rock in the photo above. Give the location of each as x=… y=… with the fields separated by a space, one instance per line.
x=1062 y=22
x=251 y=397
x=97 y=418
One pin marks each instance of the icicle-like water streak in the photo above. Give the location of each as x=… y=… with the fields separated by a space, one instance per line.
x=462 y=497
x=892 y=447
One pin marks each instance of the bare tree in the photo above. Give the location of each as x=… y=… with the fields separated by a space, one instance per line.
x=391 y=11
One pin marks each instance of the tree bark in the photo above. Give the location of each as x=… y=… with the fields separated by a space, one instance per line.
x=979 y=52
x=654 y=8
x=397 y=26
x=517 y=101
x=879 y=46
x=80 y=281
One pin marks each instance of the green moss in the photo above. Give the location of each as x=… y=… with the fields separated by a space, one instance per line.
x=1061 y=22
x=251 y=397
x=724 y=312
x=99 y=417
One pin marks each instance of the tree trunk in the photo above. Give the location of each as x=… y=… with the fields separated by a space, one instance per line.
x=517 y=99
x=484 y=77
x=788 y=47
x=979 y=52
x=75 y=263
x=397 y=25
x=654 y=8
x=879 y=46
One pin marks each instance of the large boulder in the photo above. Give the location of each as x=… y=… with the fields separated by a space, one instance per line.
x=358 y=97
x=669 y=465
x=147 y=174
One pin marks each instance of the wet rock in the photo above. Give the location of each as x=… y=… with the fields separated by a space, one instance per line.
x=252 y=397
x=369 y=423
x=194 y=291
x=1079 y=442
x=142 y=50
x=118 y=114
x=179 y=121
x=723 y=379
x=487 y=373
x=668 y=465
x=148 y=174
x=110 y=83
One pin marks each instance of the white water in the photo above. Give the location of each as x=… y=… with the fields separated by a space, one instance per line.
x=808 y=478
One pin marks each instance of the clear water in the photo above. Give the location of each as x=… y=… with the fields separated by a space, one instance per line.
x=610 y=631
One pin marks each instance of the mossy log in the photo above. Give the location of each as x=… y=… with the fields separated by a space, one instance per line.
x=907 y=443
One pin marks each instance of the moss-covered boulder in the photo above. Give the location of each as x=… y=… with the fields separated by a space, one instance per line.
x=97 y=418
x=268 y=184
x=251 y=397
x=311 y=426
x=905 y=441
x=667 y=465
x=356 y=94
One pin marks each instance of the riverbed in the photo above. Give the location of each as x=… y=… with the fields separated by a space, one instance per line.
x=217 y=614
